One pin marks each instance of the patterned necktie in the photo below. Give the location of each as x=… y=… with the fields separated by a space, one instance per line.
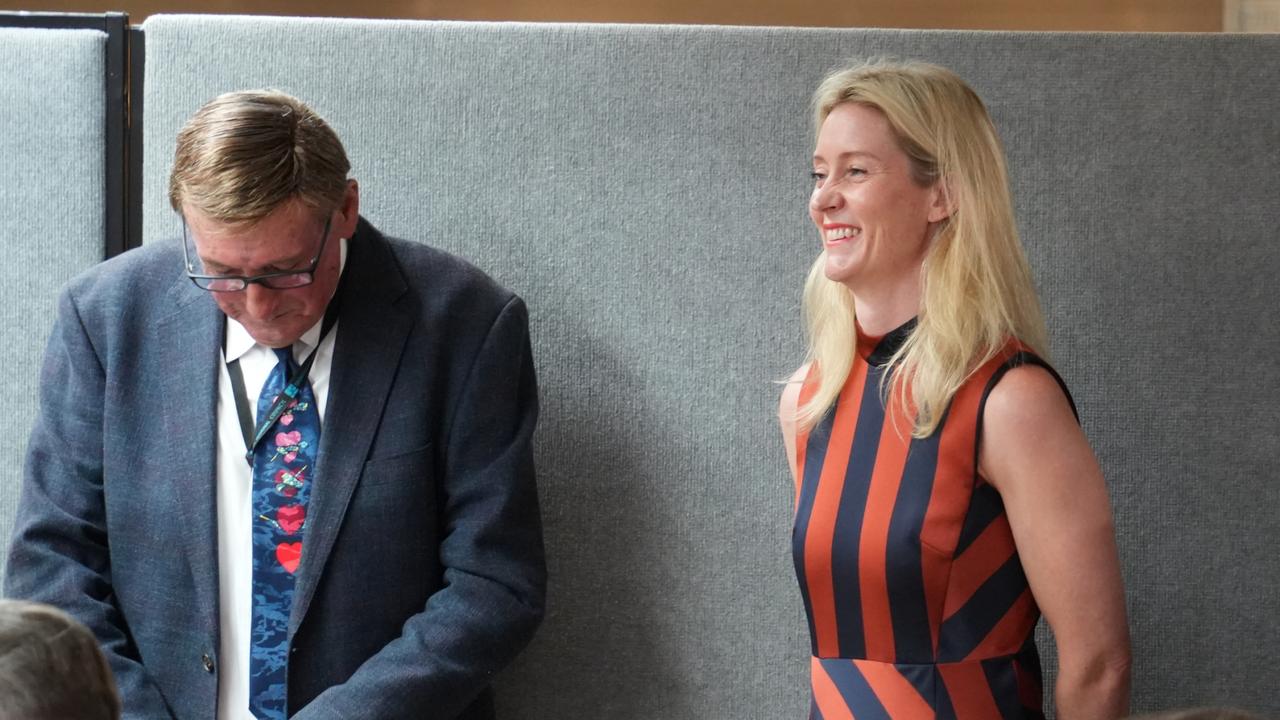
x=283 y=471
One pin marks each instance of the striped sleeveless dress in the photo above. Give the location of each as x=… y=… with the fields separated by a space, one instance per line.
x=916 y=600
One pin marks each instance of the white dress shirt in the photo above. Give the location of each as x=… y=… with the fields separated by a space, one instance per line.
x=235 y=496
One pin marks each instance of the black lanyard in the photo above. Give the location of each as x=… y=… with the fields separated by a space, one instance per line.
x=251 y=436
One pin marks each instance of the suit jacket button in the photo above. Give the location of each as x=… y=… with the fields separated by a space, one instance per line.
x=207 y=662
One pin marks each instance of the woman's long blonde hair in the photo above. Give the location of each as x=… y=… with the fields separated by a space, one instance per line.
x=977 y=291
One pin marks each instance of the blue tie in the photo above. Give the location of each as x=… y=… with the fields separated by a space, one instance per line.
x=283 y=472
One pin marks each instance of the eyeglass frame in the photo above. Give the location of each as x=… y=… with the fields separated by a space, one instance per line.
x=247 y=280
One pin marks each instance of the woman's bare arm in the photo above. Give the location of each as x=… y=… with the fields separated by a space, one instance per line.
x=1034 y=452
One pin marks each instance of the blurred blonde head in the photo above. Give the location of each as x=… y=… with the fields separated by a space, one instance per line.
x=977 y=291
x=51 y=667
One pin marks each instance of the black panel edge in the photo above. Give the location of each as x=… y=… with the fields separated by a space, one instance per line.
x=121 y=227
x=117 y=129
x=137 y=54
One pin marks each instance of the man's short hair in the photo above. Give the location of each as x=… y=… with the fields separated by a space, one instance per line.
x=245 y=153
x=51 y=667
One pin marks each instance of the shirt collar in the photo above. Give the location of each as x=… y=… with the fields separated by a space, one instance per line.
x=238 y=341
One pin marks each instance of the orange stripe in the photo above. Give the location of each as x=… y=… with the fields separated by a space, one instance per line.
x=957 y=456
x=886 y=477
x=949 y=500
x=953 y=484
x=822 y=519
x=898 y=696
x=1012 y=630
x=969 y=691
x=830 y=702
x=978 y=563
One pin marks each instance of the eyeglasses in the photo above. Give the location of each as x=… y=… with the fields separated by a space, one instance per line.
x=282 y=280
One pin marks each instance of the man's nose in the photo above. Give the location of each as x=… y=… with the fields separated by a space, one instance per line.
x=259 y=301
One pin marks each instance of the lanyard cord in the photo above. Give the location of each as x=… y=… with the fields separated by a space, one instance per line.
x=254 y=436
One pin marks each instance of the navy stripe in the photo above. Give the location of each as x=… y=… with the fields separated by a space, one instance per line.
x=815 y=713
x=963 y=631
x=904 y=572
x=1028 y=662
x=815 y=454
x=942 y=700
x=985 y=505
x=1004 y=686
x=924 y=678
x=847 y=540
x=856 y=691
x=1029 y=658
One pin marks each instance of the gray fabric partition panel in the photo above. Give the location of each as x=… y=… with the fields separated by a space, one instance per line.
x=51 y=138
x=644 y=188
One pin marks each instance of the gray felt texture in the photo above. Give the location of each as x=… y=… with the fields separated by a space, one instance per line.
x=52 y=135
x=644 y=189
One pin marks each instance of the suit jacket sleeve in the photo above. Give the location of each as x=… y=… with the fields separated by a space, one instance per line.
x=494 y=572
x=60 y=553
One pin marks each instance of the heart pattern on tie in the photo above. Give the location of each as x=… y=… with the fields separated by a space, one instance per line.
x=282 y=478
x=290 y=519
x=289 y=554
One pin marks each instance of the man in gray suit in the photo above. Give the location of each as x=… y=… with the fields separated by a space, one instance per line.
x=283 y=468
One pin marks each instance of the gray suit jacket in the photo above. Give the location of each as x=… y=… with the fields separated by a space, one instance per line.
x=423 y=572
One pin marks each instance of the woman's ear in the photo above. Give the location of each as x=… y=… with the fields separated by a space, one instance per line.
x=941 y=205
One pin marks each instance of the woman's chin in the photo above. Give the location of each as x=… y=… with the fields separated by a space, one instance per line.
x=840 y=270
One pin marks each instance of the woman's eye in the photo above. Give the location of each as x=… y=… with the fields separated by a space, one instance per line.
x=817 y=176
x=855 y=171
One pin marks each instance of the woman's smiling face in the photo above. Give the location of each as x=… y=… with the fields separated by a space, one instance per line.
x=872 y=215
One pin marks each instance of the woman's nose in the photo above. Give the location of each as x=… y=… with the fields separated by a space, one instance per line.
x=824 y=198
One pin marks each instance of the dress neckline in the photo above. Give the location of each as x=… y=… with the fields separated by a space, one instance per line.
x=877 y=349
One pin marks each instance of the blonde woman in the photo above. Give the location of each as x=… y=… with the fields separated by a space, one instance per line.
x=945 y=493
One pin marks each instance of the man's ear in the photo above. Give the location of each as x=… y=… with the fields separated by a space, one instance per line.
x=941 y=204
x=349 y=212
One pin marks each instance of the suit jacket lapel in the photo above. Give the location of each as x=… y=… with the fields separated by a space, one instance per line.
x=190 y=350
x=372 y=330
